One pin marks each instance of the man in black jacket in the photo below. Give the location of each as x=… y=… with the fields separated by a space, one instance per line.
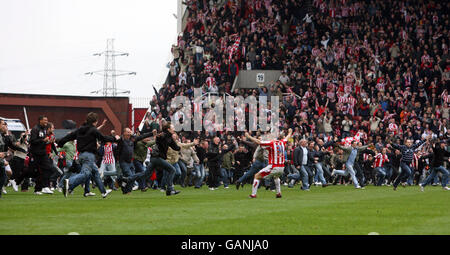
x=38 y=141
x=407 y=151
x=439 y=152
x=164 y=140
x=242 y=161
x=214 y=156
x=302 y=160
x=125 y=147
x=199 y=168
x=361 y=174
x=86 y=136
x=5 y=143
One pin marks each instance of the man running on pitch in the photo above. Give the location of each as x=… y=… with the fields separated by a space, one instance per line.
x=439 y=152
x=407 y=151
x=275 y=168
x=86 y=136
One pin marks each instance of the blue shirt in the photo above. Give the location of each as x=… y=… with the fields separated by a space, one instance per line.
x=352 y=157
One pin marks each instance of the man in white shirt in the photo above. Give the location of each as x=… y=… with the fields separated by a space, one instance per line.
x=284 y=79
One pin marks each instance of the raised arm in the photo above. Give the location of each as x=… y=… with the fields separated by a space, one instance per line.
x=186 y=145
x=417 y=145
x=362 y=148
x=13 y=146
x=257 y=141
x=328 y=144
x=250 y=144
x=396 y=146
x=172 y=144
x=289 y=134
x=103 y=124
x=143 y=136
x=69 y=137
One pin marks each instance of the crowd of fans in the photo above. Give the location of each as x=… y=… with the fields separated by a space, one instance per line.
x=375 y=70
x=353 y=72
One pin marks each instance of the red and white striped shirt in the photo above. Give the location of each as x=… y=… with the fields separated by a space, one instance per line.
x=381 y=84
x=393 y=127
x=234 y=48
x=408 y=79
x=342 y=100
x=352 y=10
x=315 y=52
x=258 y=5
x=319 y=82
x=108 y=156
x=276 y=150
x=223 y=44
x=332 y=12
x=380 y=159
x=348 y=88
x=352 y=101
x=425 y=58
x=435 y=19
x=210 y=81
x=308 y=94
x=344 y=11
x=415 y=162
x=445 y=97
x=304 y=103
x=207 y=67
x=197 y=106
x=77 y=153
x=323 y=7
x=330 y=94
x=404 y=35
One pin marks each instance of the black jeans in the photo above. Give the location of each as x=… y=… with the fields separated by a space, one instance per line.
x=20 y=172
x=45 y=169
x=3 y=176
x=214 y=173
x=360 y=174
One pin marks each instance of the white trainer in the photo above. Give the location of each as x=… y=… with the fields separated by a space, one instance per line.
x=14 y=185
x=90 y=194
x=66 y=188
x=46 y=190
x=421 y=187
x=446 y=188
x=104 y=195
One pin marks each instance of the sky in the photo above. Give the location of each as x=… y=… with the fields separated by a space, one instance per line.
x=47 y=46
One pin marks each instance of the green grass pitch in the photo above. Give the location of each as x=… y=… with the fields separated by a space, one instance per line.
x=334 y=210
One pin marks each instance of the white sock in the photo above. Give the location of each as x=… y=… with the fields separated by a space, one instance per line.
x=277 y=185
x=255 y=186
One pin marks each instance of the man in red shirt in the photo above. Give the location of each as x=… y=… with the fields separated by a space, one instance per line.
x=275 y=168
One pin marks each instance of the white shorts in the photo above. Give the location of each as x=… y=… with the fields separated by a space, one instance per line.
x=270 y=171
